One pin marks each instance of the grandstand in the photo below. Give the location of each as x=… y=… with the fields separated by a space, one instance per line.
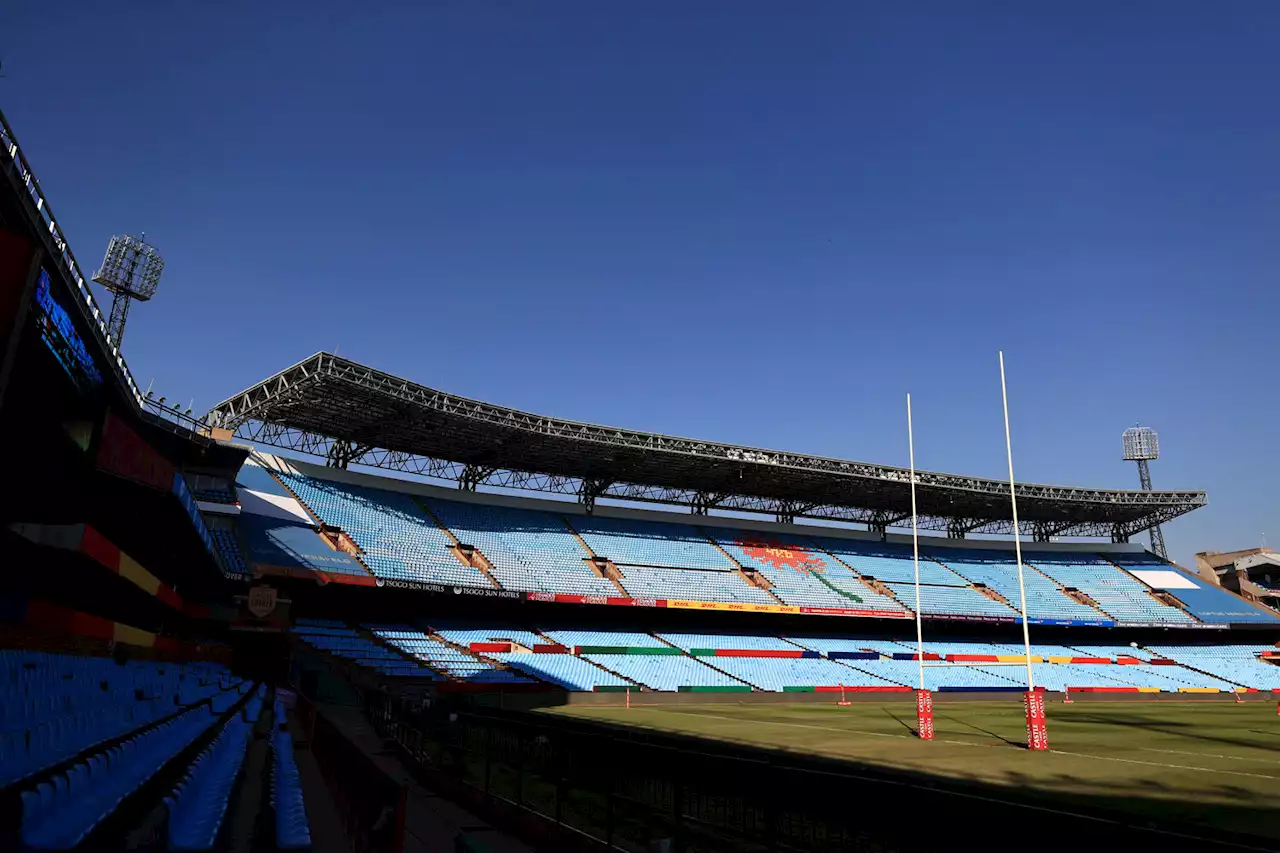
x=212 y=645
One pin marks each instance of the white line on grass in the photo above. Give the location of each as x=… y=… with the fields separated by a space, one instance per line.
x=1159 y=764
x=1210 y=755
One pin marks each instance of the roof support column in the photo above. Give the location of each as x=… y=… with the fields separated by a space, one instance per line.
x=590 y=490
x=472 y=476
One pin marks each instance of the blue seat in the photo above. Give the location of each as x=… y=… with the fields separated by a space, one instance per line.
x=292 y=829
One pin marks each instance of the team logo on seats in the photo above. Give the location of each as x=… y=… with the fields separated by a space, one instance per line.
x=780 y=555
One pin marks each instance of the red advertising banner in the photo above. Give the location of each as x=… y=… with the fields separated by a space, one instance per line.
x=1037 y=722
x=124 y=453
x=924 y=714
x=573 y=598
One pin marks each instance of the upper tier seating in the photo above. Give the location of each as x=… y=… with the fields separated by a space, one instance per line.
x=349 y=644
x=888 y=563
x=1118 y=594
x=802 y=575
x=398 y=539
x=1045 y=599
x=950 y=599
x=1207 y=602
x=1239 y=664
x=529 y=550
x=631 y=542
x=459 y=665
x=537 y=550
x=695 y=584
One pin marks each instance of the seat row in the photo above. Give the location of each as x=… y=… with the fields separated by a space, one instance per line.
x=58 y=814
x=292 y=829
x=537 y=550
x=198 y=804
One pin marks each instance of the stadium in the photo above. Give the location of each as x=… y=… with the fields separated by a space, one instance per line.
x=339 y=599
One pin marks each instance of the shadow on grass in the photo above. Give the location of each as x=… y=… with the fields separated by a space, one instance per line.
x=889 y=801
x=987 y=732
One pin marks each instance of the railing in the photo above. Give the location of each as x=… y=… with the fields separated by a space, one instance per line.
x=60 y=250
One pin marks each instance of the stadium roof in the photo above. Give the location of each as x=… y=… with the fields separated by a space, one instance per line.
x=352 y=414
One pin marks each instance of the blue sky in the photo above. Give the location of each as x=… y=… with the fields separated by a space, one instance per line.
x=753 y=222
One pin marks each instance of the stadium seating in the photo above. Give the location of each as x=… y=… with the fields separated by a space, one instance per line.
x=572 y=673
x=1045 y=598
x=347 y=643
x=664 y=672
x=55 y=707
x=198 y=804
x=398 y=539
x=1236 y=663
x=458 y=665
x=529 y=550
x=229 y=549
x=610 y=639
x=801 y=574
x=951 y=600
x=630 y=542
x=59 y=811
x=890 y=564
x=1120 y=595
x=696 y=584
x=292 y=830
x=1207 y=602
x=776 y=674
x=542 y=551
x=466 y=635
x=728 y=641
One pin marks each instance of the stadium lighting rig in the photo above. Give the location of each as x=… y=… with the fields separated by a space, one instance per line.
x=131 y=270
x=1142 y=445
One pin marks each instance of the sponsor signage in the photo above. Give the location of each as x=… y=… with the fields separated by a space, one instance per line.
x=445 y=589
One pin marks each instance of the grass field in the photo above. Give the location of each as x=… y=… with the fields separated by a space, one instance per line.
x=1211 y=765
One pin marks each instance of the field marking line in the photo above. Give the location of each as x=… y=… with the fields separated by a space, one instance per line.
x=1210 y=755
x=1159 y=764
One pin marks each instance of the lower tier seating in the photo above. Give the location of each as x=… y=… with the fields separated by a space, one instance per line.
x=198 y=804
x=57 y=814
x=348 y=643
x=672 y=661
x=292 y=830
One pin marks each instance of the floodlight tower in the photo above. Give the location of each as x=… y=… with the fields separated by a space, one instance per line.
x=131 y=270
x=1141 y=445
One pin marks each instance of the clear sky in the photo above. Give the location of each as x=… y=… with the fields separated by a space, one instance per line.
x=752 y=222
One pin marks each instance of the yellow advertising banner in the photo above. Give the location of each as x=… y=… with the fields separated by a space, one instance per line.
x=724 y=605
